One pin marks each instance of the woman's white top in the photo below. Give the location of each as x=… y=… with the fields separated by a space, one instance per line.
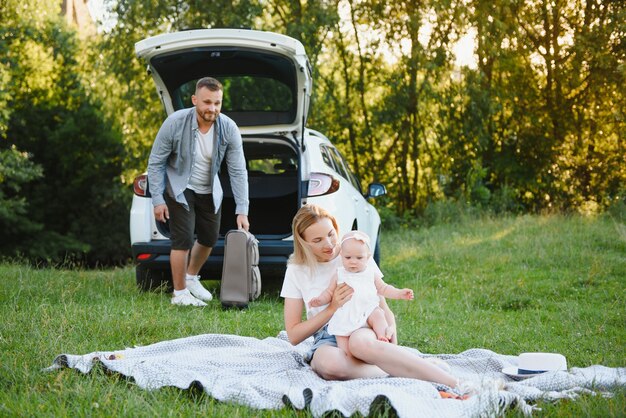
x=302 y=282
x=354 y=313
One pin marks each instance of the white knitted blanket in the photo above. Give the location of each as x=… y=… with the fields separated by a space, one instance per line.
x=271 y=374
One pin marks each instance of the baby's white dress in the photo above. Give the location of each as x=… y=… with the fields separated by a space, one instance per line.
x=354 y=313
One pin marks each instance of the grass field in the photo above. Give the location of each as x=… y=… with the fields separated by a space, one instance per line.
x=530 y=283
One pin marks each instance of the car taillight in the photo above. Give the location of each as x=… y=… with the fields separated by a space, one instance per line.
x=143 y=256
x=321 y=184
x=140 y=185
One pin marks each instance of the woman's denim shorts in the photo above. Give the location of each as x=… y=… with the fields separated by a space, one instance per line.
x=320 y=338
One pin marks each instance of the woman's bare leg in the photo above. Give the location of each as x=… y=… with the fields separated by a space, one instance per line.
x=342 y=342
x=395 y=360
x=332 y=363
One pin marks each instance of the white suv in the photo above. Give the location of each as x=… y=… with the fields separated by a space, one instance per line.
x=267 y=89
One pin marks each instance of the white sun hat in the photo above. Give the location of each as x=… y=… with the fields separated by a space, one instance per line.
x=532 y=364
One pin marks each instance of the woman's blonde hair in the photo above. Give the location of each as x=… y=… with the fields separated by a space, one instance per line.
x=306 y=216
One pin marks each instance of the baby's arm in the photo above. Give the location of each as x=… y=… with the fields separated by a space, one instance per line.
x=326 y=296
x=391 y=292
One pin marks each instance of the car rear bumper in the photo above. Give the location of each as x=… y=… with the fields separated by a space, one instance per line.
x=155 y=255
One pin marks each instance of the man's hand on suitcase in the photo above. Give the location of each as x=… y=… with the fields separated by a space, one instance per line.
x=242 y=222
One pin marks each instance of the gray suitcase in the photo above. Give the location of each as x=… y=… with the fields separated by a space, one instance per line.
x=241 y=279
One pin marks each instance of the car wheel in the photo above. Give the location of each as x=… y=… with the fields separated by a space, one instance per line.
x=149 y=279
x=377 y=250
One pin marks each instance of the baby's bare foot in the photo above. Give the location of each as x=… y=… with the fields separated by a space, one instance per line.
x=389 y=333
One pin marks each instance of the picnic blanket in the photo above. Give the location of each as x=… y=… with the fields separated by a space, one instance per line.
x=270 y=373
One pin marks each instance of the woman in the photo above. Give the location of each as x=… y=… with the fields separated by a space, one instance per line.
x=313 y=263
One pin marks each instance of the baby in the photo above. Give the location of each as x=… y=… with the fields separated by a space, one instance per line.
x=363 y=308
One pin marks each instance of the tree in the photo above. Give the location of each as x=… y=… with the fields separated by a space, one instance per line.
x=16 y=169
x=410 y=153
x=538 y=124
x=533 y=117
x=65 y=134
x=131 y=99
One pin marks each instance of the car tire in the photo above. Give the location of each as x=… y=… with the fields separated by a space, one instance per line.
x=377 y=250
x=149 y=279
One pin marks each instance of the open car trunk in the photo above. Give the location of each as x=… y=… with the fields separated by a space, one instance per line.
x=274 y=187
x=266 y=76
x=267 y=85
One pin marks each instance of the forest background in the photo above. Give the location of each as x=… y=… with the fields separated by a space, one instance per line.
x=536 y=123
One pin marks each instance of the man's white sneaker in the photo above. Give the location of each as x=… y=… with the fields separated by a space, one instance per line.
x=196 y=289
x=187 y=299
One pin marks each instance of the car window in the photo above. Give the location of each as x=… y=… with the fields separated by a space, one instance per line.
x=326 y=157
x=341 y=169
x=243 y=94
x=272 y=165
x=333 y=159
x=351 y=176
x=348 y=174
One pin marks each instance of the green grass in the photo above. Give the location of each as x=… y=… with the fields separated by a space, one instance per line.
x=531 y=283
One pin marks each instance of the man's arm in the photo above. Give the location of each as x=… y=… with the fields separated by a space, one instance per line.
x=242 y=222
x=157 y=163
x=236 y=165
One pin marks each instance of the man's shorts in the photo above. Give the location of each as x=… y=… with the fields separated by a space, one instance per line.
x=200 y=218
x=320 y=338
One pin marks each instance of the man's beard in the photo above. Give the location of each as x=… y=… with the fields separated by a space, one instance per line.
x=208 y=116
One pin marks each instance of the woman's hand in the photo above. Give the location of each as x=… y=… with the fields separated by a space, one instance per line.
x=341 y=295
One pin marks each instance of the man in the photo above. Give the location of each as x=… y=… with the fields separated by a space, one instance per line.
x=185 y=188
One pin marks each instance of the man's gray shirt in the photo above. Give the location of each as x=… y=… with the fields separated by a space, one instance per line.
x=173 y=156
